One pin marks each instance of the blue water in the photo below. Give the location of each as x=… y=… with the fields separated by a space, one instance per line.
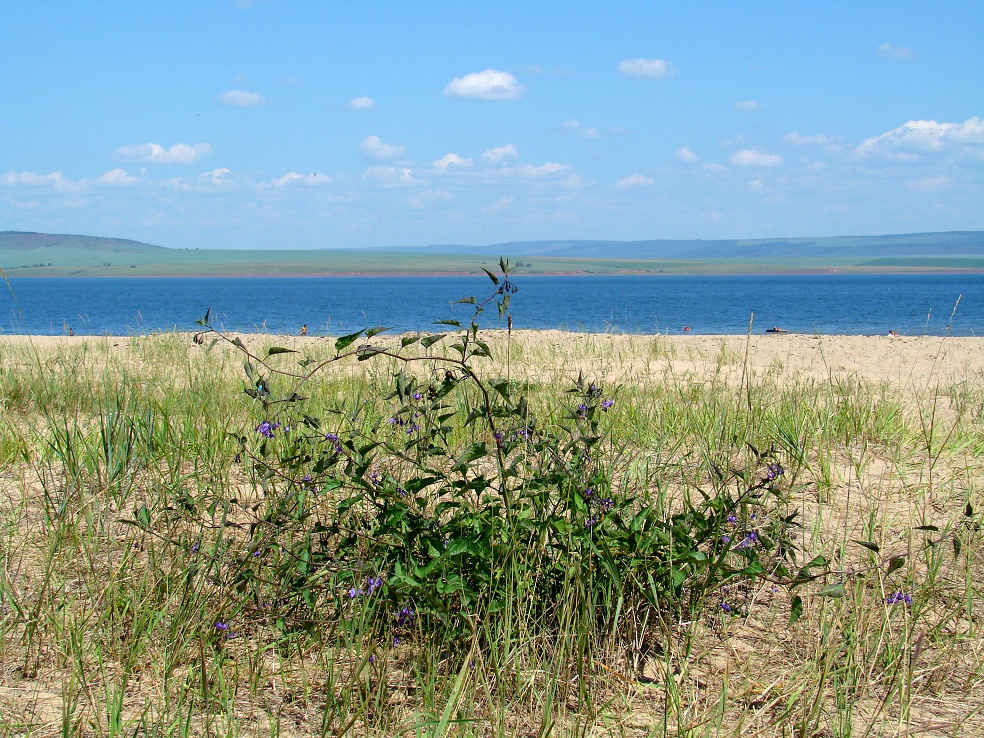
x=829 y=304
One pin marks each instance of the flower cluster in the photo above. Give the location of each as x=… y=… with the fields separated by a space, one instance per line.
x=597 y=506
x=773 y=471
x=371 y=586
x=335 y=441
x=223 y=628
x=404 y=617
x=266 y=428
x=899 y=598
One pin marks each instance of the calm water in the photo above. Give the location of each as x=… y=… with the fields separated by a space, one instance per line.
x=831 y=304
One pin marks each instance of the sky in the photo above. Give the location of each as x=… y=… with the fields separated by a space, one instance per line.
x=273 y=124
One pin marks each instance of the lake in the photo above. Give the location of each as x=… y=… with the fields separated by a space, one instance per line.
x=911 y=304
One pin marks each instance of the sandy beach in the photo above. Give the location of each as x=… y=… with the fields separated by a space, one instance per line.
x=915 y=362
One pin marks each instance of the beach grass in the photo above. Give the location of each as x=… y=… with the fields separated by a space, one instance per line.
x=124 y=508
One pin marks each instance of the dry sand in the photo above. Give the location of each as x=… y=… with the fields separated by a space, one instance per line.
x=917 y=362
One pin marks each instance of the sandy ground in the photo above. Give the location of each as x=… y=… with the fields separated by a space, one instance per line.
x=917 y=362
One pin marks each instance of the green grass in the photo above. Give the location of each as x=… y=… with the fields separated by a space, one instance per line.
x=108 y=628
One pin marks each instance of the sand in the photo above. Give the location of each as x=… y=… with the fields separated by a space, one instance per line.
x=917 y=362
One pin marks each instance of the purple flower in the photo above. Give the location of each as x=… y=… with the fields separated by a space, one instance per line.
x=404 y=616
x=606 y=405
x=725 y=539
x=732 y=519
x=899 y=598
x=373 y=584
x=266 y=428
x=417 y=396
x=221 y=627
x=726 y=607
x=774 y=470
x=589 y=493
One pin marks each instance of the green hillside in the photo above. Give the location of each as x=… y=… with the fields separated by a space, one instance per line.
x=54 y=255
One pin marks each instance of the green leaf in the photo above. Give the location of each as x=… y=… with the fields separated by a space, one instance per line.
x=896 y=562
x=407 y=340
x=795 y=611
x=465 y=301
x=475 y=451
x=447 y=322
x=142 y=515
x=431 y=340
x=932 y=528
x=868 y=545
x=348 y=340
x=833 y=590
x=274 y=350
x=495 y=279
x=376 y=331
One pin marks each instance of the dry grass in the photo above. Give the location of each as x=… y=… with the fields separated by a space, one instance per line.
x=101 y=634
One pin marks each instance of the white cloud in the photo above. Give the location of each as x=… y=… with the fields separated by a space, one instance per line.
x=361 y=103
x=500 y=154
x=896 y=52
x=156 y=154
x=798 y=139
x=749 y=105
x=12 y=179
x=575 y=125
x=544 y=170
x=308 y=179
x=117 y=177
x=910 y=140
x=929 y=184
x=242 y=99
x=488 y=85
x=646 y=68
x=372 y=147
x=686 y=154
x=452 y=160
x=499 y=205
x=755 y=158
x=380 y=173
x=633 y=180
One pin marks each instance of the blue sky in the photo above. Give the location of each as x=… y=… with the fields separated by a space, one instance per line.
x=286 y=124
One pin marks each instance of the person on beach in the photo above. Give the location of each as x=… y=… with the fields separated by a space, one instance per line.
x=304 y=329
x=71 y=332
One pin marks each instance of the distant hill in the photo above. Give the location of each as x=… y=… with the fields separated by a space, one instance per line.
x=952 y=243
x=26 y=241
x=54 y=255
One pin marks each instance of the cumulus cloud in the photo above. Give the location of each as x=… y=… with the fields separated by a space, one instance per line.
x=372 y=147
x=156 y=154
x=380 y=173
x=452 y=160
x=243 y=99
x=686 y=154
x=895 y=52
x=646 y=68
x=12 y=179
x=585 y=132
x=361 y=103
x=488 y=85
x=117 y=177
x=749 y=105
x=500 y=154
x=918 y=137
x=308 y=179
x=755 y=158
x=633 y=180
x=544 y=170
x=798 y=139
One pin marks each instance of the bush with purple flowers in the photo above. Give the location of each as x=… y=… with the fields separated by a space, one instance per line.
x=453 y=498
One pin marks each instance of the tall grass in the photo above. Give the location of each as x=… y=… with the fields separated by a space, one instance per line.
x=123 y=538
